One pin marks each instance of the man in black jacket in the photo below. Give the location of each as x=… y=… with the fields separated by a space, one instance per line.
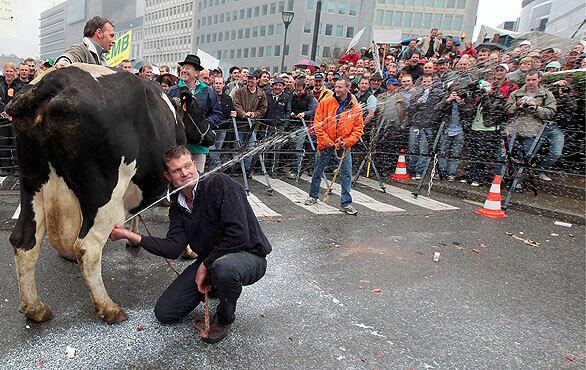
x=228 y=113
x=214 y=217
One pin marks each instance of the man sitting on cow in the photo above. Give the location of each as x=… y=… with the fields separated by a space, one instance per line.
x=98 y=39
x=213 y=215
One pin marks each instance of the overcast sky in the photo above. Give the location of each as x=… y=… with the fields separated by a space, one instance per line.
x=27 y=13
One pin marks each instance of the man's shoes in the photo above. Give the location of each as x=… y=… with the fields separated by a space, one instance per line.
x=416 y=177
x=543 y=177
x=310 y=201
x=292 y=175
x=451 y=178
x=475 y=184
x=349 y=209
x=217 y=333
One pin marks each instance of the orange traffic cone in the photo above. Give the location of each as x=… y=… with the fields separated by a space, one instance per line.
x=492 y=205
x=401 y=169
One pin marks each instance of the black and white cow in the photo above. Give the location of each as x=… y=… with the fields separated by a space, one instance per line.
x=89 y=141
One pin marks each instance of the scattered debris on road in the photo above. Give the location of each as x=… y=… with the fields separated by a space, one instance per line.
x=436 y=256
x=70 y=351
x=527 y=241
x=564 y=224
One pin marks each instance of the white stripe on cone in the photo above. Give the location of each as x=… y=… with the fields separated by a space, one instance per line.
x=495 y=188
x=492 y=205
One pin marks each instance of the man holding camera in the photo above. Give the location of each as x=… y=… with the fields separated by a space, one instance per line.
x=530 y=108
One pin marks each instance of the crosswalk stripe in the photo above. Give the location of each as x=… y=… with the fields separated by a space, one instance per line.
x=406 y=196
x=16 y=213
x=298 y=196
x=260 y=209
x=2 y=178
x=359 y=198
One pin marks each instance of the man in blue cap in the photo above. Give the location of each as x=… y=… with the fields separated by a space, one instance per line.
x=319 y=90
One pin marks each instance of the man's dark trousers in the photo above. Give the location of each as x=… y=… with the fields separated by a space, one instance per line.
x=228 y=274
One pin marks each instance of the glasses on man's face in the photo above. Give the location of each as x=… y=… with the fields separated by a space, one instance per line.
x=178 y=170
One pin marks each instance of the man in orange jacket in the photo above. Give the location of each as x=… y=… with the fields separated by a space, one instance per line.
x=338 y=126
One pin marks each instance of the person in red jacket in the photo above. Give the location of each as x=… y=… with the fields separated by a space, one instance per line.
x=351 y=56
x=469 y=49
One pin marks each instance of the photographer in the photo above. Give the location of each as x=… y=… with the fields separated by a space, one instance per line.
x=483 y=138
x=530 y=108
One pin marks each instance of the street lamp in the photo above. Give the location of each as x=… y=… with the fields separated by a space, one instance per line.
x=287 y=19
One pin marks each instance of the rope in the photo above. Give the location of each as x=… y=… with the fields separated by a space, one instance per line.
x=329 y=189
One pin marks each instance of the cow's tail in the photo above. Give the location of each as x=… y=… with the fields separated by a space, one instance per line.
x=180 y=138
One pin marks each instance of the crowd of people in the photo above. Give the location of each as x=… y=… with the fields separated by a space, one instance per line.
x=431 y=97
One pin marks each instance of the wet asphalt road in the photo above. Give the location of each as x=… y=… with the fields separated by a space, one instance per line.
x=491 y=301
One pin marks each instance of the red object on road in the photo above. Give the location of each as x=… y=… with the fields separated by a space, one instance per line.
x=401 y=169
x=492 y=206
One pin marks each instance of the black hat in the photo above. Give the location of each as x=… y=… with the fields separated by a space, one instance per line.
x=376 y=76
x=336 y=76
x=193 y=60
x=441 y=61
x=318 y=77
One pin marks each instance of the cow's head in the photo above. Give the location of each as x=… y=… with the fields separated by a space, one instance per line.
x=193 y=114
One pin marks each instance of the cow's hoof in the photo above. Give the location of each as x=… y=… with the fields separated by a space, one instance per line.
x=114 y=315
x=188 y=254
x=41 y=313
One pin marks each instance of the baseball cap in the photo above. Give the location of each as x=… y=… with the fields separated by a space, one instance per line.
x=554 y=64
x=278 y=80
x=376 y=76
x=393 y=81
x=503 y=65
x=336 y=76
x=252 y=74
x=441 y=61
x=318 y=77
x=525 y=42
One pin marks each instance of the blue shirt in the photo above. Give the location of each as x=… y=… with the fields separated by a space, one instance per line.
x=454 y=126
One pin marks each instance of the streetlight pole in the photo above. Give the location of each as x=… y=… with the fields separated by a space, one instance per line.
x=287 y=19
x=316 y=30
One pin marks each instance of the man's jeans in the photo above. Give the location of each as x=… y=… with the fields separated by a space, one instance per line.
x=249 y=146
x=215 y=156
x=323 y=158
x=555 y=136
x=228 y=275
x=451 y=147
x=419 y=139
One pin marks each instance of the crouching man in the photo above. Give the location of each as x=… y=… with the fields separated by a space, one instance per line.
x=214 y=217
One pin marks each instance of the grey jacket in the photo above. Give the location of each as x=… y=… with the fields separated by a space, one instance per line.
x=392 y=109
x=529 y=122
x=86 y=52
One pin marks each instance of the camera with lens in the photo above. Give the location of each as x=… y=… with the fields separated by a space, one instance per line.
x=565 y=90
x=525 y=105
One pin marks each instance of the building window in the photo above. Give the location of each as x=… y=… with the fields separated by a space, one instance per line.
x=458 y=20
x=310 y=4
x=255 y=32
x=290 y=4
x=248 y=13
x=350 y=32
x=378 y=18
x=286 y=50
x=307 y=26
x=220 y=36
x=341 y=8
x=339 y=31
x=256 y=11
x=265 y=9
x=240 y=34
x=331 y=6
x=273 y=8
x=329 y=29
x=397 y=16
x=440 y=3
x=416 y=23
x=305 y=49
x=261 y=51
x=427 y=20
x=408 y=2
x=253 y=52
x=388 y=18
x=245 y=53
x=263 y=30
x=451 y=4
x=241 y=13
x=280 y=28
x=461 y=4
x=407 y=19
x=269 y=51
x=353 y=9
x=277 y=50
x=232 y=54
x=247 y=33
x=233 y=35
x=239 y=53
x=418 y=3
x=437 y=20
x=281 y=8
x=447 y=22
x=429 y=3
x=270 y=31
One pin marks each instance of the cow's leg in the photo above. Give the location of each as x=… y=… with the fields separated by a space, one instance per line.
x=89 y=249
x=26 y=239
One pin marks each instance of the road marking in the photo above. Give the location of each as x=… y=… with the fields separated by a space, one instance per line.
x=298 y=196
x=260 y=209
x=16 y=213
x=359 y=198
x=2 y=178
x=406 y=196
